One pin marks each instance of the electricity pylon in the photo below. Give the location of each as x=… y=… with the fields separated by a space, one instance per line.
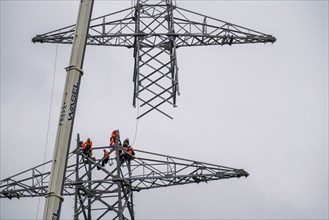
x=155 y=30
x=107 y=192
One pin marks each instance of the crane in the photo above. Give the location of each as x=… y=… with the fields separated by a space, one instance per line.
x=154 y=30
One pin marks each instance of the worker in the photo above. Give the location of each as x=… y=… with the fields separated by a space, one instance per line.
x=87 y=147
x=114 y=136
x=129 y=151
x=81 y=144
x=105 y=159
x=115 y=139
x=126 y=143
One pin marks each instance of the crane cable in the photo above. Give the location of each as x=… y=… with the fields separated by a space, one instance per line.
x=136 y=128
x=49 y=117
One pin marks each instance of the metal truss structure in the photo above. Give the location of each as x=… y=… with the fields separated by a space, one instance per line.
x=107 y=192
x=155 y=30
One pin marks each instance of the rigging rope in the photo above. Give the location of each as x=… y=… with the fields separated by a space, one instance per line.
x=136 y=129
x=49 y=117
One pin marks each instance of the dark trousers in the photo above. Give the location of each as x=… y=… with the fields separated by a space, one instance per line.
x=86 y=150
x=105 y=161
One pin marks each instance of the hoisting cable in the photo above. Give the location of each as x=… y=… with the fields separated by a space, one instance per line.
x=49 y=117
x=132 y=7
x=137 y=119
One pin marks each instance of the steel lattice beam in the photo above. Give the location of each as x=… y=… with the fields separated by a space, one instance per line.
x=99 y=188
x=148 y=171
x=155 y=29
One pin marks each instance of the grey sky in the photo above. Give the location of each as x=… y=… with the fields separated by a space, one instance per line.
x=263 y=108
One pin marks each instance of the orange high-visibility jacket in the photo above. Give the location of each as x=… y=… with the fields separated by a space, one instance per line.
x=130 y=150
x=87 y=143
x=112 y=139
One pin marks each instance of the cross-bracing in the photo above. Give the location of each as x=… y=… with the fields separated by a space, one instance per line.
x=155 y=30
x=107 y=192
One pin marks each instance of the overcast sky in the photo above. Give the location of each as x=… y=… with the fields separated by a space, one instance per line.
x=263 y=108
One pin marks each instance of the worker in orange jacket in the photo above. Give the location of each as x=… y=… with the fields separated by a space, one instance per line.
x=114 y=135
x=87 y=147
x=129 y=151
x=105 y=159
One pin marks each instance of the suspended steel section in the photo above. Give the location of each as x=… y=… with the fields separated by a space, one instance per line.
x=155 y=30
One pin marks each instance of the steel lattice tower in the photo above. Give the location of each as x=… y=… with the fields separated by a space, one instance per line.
x=154 y=30
x=108 y=193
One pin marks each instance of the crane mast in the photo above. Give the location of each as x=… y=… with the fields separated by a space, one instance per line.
x=74 y=71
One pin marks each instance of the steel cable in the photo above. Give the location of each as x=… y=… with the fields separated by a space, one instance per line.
x=49 y=117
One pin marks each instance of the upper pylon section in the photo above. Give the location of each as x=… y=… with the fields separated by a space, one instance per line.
x=155 y=29
x=189 y=29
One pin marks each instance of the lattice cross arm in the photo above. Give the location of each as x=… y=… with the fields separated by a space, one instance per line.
x=156 y=30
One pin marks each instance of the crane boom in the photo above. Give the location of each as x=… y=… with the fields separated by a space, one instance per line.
x=67 y=112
